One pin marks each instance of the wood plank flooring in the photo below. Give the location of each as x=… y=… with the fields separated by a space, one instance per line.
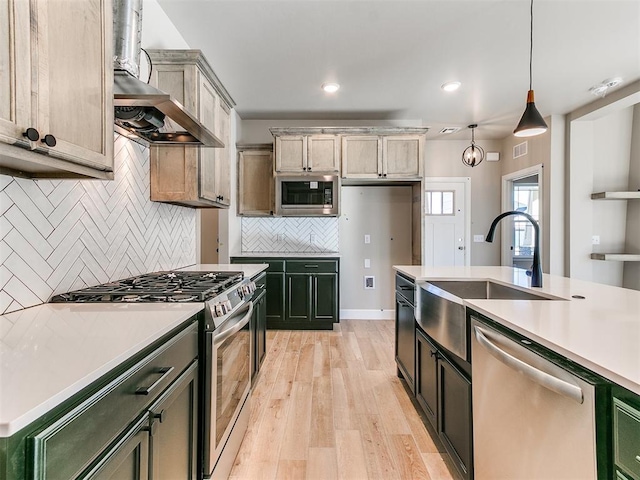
x=328 y=405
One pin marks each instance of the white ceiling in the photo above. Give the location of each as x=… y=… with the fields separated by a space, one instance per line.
x=391 y=56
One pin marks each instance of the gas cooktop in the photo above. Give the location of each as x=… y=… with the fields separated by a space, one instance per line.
x=156 y=287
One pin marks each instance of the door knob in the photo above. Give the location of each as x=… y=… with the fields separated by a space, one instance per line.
x=461 y=247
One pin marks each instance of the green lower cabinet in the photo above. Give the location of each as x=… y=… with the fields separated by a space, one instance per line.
x=275 y=299
x=325 y=298
x=626 y=436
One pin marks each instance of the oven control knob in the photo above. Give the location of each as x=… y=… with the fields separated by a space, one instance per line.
x=217 y=310
x=227 y=306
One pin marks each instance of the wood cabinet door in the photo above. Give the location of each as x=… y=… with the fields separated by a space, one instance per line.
x=208 y=116
x=174 y=430
x=15 y=72
x=129 y=459
x=454 y=405
x=73 y=77
x=255 y=183
x=323 y=153
x=298 y=297
x=361 y=157
x=222 y=163
x=291 y=154
x=402 y=156
x=325 y=297
x=427 y=377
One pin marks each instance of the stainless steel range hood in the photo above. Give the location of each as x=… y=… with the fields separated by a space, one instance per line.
x=140 y=108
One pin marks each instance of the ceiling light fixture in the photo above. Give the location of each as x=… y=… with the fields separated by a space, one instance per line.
x=473 y=154
x=601 y=89
x=450 y=86
x=330 y=87
x=531 y=122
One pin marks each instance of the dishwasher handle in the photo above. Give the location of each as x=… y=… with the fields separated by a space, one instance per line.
x=551 y=382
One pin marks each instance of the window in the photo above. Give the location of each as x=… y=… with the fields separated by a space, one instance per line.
x=439 y=202
x=525 y=199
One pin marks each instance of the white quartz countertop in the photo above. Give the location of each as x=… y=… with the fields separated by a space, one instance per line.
x=600 y=332
x=289 y=255
x=250 y=270
x=50 y=352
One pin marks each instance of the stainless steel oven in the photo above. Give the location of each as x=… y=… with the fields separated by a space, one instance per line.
x=307 y=195
x=227 y=382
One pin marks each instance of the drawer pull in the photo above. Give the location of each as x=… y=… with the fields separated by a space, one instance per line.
x=164 y=371
x=311 y=266
x=403 y=287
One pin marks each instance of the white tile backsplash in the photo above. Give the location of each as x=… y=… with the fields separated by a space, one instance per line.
x=60 y=235
x=290 y=235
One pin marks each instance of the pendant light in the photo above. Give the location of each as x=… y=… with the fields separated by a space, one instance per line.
x=531 y=122
x=473 y=154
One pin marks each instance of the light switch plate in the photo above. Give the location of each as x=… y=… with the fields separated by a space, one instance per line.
x=595 y=240
x=367 y=239
x=367 y=263
x=478 y=238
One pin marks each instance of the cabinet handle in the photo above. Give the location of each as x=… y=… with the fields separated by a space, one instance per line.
x=310 y=266
x=160 y=416
x=433 y=354
x=49 y=140
x=31 y=134
x=165 y=371
x=403 y=287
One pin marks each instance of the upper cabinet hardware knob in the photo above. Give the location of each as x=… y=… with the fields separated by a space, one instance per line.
x=384 y=174
x=379 y=174
x=304 y=168
x=49 y=140
x=32 y=134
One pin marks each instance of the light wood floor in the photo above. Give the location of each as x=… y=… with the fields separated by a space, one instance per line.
x=329 y=405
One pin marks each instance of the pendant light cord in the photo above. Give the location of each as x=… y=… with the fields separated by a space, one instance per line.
x=531 y=48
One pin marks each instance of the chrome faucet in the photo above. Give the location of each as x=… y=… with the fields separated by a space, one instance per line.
x=536 y=269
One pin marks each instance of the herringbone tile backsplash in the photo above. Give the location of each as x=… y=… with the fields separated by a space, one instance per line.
x=61 y=235
x=290 y=235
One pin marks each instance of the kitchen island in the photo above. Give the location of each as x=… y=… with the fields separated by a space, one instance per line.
x=495 y=358
x=600 y=331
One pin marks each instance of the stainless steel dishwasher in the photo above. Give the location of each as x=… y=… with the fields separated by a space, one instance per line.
x=532 y=419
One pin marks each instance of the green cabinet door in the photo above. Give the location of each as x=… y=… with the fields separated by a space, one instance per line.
x=325 y=297
x=298 y=297
x=275 y=299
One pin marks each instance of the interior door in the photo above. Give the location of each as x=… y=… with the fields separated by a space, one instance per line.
x=446 y=242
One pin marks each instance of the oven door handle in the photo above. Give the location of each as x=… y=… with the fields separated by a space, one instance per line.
x=232 y=326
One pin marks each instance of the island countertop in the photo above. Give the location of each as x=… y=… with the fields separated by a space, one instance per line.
x=600 y=331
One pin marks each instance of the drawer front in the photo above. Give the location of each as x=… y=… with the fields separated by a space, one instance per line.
x=275 y=264
x=626 y=438
x=312 y=265
x=406 y=288
x=70 y=444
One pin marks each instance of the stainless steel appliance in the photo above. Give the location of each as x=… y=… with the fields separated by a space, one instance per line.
x=226 y=366
x=307 y=195
x=532 y=418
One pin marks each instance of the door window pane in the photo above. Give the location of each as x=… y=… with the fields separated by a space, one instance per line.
x=439 y=202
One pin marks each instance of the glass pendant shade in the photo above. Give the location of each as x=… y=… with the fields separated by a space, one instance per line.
x=531 y=122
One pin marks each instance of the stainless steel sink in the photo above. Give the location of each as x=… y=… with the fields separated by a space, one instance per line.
x=478 y=289
x=441 y=313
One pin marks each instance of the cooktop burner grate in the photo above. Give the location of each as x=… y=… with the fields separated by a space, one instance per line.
x=156 y=287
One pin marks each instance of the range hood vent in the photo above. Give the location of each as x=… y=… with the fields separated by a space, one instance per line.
x=141 y=109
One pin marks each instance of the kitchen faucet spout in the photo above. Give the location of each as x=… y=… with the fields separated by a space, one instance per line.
x=536 y=269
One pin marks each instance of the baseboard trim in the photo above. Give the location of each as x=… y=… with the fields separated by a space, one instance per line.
x=353 y=314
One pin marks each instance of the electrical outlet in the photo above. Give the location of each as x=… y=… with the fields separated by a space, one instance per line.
x=313 y=238
x=478 y=238
x=367 y=239
x=595 y=240
x=369 y=282
x=367 y=263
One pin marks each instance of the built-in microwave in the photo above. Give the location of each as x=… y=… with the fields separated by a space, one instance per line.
x=307 y=195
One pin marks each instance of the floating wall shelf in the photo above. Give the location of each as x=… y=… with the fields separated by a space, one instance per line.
x=618 y=257
x=615 y=195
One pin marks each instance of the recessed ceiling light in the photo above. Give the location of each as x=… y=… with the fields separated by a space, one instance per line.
x=448 y=130
x=451 y=86
x=601 y=89
x=330 y=87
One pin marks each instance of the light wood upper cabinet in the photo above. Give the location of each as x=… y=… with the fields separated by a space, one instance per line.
x=192 y=176
x=361 y=156
x=57 y=79
x=255 y=180
x=307 y=153
x=384 y=157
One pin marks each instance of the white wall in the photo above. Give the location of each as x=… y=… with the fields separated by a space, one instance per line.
x=631 y=275
x=383 y=213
